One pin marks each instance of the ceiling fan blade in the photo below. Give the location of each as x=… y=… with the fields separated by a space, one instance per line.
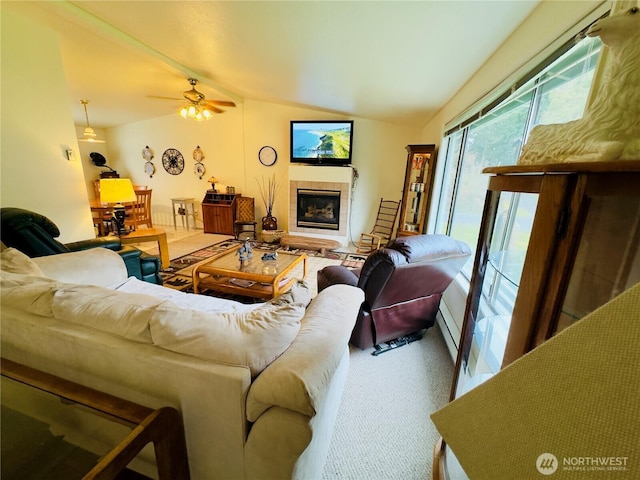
x=165 y=98
x=211 y=107
x=221 y=103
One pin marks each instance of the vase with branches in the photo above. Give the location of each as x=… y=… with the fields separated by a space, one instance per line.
x=268 y=191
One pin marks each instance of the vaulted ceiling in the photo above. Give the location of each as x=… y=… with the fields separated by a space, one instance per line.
x=395 y=61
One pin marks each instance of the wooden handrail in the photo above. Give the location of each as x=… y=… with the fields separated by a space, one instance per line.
x=162 y=427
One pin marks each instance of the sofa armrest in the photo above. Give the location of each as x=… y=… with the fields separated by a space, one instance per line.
x=150 y=267
x=299 y=378
x=97 y=266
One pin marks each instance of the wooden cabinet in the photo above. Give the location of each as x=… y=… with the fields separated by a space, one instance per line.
x=219 y=212
x=416 y=196
x=556 y=242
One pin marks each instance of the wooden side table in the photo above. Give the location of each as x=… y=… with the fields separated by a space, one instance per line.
x=183 y=204
x=150 y=235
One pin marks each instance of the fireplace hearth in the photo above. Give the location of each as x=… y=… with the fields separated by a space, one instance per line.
x=318 y=209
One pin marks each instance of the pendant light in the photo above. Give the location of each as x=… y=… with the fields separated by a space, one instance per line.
x=89 y=133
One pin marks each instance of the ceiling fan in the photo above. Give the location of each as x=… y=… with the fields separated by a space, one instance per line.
x=197 y=106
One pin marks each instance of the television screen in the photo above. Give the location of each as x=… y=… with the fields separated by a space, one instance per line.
x=321 y=142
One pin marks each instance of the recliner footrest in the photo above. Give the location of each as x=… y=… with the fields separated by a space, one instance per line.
x=398 y=342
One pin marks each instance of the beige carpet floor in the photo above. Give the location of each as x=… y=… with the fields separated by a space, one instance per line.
x=383 y=430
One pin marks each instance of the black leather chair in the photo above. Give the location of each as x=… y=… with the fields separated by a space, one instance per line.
x=403 y=284
x=35 y=235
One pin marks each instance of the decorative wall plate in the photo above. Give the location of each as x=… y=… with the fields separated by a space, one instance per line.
x=199 y=169
x=147 y=154
x=198 y=154
x=173 y=161
x=149 y=169
x=267 y=155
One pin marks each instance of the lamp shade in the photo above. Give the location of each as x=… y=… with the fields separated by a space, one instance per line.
x=116 y=190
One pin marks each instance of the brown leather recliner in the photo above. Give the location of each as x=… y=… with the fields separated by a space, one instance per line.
x=403 y=284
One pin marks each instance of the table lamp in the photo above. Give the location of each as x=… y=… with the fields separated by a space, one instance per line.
x=117 y=191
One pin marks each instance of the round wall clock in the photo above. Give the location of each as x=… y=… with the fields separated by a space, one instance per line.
x=267 y=155
x=173 y=161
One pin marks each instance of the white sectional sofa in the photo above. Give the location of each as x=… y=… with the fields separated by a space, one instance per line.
x=258 y=386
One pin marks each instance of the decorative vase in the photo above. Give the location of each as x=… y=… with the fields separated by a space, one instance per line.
x=269 y=223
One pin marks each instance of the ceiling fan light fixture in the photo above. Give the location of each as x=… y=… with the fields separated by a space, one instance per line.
x=196 y=107
x=196 y=112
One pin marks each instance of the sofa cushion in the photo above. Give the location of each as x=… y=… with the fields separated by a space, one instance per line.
x=298 y=380
x=202 y=303
x=254 y=338
x=97 y=266
x=14 y=261
x=123 y=314
x=29 y=293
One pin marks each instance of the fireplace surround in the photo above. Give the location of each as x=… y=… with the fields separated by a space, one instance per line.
x=322 y=209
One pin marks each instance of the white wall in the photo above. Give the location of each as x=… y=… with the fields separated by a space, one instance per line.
x=37 y=129
x=231 y=142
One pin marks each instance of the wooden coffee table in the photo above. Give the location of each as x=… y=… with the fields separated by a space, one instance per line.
x=251 y=278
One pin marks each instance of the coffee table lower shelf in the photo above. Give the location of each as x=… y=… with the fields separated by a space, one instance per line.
x=257 y=290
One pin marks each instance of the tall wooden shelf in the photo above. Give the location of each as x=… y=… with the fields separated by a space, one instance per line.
x=219 y=212
x=416 y=196
x=575 y=246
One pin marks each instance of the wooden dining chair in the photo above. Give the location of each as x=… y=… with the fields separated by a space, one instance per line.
x=139 y=212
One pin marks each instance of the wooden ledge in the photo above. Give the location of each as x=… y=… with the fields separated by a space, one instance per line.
x=309 y=243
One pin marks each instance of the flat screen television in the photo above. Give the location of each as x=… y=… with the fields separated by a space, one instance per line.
x=321 y=142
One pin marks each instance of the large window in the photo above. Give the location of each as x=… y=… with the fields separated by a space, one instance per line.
x=557 y=94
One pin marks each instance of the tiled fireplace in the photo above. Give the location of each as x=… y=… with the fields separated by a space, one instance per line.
x=319 y=201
